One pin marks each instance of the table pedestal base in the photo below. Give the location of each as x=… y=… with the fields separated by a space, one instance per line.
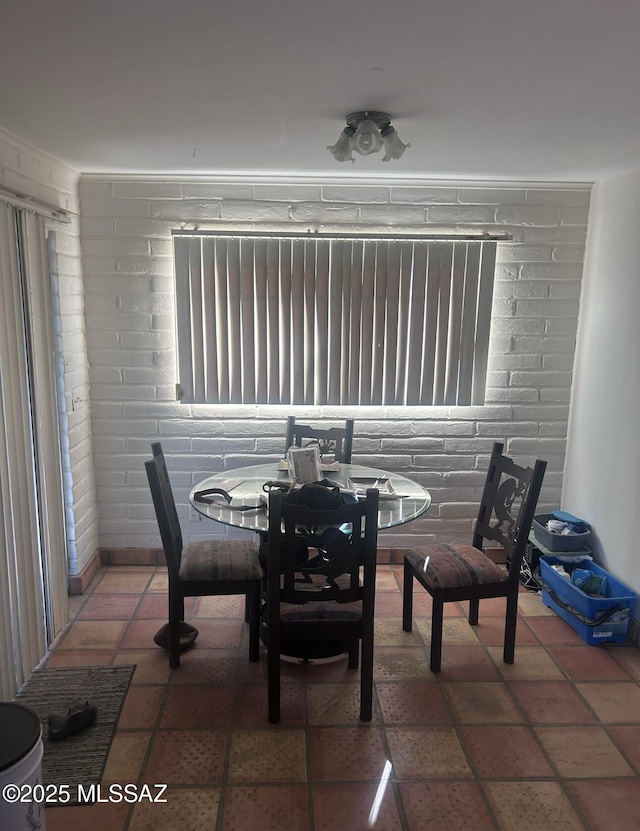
x=314 y=650
x=308 y=650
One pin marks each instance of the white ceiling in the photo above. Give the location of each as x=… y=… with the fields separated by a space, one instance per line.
x=501 y=89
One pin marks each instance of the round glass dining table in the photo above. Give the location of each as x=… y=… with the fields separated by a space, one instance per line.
x=401 y=499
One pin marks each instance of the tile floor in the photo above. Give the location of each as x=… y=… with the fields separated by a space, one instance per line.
x=551 y=742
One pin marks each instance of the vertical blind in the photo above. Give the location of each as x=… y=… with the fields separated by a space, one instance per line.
x=332 y=321
x=33 y=581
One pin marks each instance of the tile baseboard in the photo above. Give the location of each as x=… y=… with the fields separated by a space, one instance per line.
x=77 y=583
x=155 y=557
x=132 y=556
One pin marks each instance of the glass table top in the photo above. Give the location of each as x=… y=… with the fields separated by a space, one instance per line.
x=401 y=499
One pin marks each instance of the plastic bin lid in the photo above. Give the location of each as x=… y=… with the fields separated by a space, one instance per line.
x=20 y=731
x=565 y=516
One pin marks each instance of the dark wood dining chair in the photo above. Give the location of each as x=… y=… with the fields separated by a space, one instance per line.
x=465 y=572
x=202 y=568
x=328 y=595
x=337 y=440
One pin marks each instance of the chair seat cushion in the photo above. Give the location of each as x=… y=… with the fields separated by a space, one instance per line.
x=220 y=560
x=454 y=566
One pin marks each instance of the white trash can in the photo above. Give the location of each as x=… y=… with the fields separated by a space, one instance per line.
x=21 y=750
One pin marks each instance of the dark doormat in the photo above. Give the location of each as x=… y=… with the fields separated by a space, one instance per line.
x=79 y=759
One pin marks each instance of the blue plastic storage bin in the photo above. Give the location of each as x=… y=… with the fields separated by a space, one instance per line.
x=598 y=619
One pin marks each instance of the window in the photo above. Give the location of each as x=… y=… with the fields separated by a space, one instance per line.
x=332 y=320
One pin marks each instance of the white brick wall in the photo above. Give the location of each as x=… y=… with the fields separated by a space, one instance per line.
x=126 y=234
x=27 y=169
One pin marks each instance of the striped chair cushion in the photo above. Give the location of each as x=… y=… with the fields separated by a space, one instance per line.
x=454 y=566
x=220 y=560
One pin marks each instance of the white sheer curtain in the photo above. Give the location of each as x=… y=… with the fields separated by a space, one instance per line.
x=333 y=321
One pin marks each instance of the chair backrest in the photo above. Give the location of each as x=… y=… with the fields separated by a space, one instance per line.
x=341 y=544
x=508 y=505
x=165 y=508
x=337 y=440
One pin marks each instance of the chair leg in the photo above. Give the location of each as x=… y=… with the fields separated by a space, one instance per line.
x=273 y=682
x=176 y=615
x=474 y=611
x=247 y=608
x=510 y=624
x=366 y=678
x=407 y=598
x=252 y=605
x=436 y=634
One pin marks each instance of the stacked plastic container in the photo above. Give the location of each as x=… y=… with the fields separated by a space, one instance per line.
x=596 y=604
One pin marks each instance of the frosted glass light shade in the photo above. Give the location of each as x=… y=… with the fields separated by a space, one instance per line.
x=367 y=138
x=341 y=150
x=393 y=147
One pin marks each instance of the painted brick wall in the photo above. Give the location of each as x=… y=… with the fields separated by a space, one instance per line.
x=30 y=171
x=127 y=261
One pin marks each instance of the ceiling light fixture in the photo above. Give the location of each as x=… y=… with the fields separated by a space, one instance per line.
x=368 y=132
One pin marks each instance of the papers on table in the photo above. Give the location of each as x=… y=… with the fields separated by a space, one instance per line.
x=361 y=484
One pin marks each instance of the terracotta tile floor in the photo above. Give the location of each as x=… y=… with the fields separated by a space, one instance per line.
x=551 y=742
